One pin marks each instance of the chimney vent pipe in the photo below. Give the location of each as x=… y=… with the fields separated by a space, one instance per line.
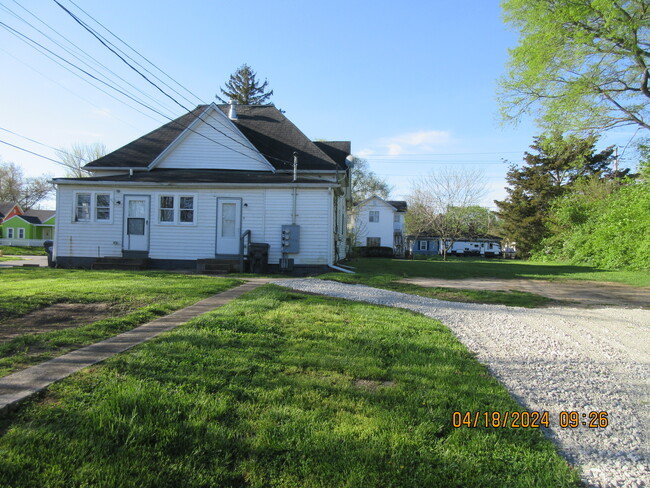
x=232 y=113
x=295 y=166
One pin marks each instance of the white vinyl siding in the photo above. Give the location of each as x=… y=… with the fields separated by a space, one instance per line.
x=375 y=218
x=264 y=211
x=206 y=148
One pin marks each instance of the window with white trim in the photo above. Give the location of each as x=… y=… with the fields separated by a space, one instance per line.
x=373 y=241
x=186 y=204
x=21 y=233
x=177 y=209
x=166 y=209
x=373 y=216
x=103 y=206
x=396 y=218
x=82 y=207
x=423 y=245
x=10 y=233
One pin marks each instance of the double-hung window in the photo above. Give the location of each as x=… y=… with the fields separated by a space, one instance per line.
x=373 y=216
x=93 y=207
x=186 y=204
x=373 y=241
x=423 y=245
x=21 y=233
x=10 y=233
x=82 y=207
x=167 y=208
x=102 y=207
x=177 y=209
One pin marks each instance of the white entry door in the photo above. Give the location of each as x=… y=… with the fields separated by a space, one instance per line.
x=136 y=222
x=228 y=225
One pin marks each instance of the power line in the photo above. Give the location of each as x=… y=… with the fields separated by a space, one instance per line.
x=197 y=98
x=32 y=152
x=79 y=52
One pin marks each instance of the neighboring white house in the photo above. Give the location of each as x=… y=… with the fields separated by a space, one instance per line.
x=191 y=189
x=379 y=223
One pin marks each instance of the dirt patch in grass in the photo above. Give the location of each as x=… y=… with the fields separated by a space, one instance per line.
x=372 y=385
x=56 y=317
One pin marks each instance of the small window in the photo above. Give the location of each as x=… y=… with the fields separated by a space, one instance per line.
x=166 y=208
x=374 y=216
x=424 y=245
x=396 y=218
x=82 y=207
x=373 y=241
x=103 y=206
x=10 y=233
x=187 y=210
x=491 y=246
x=21 y=233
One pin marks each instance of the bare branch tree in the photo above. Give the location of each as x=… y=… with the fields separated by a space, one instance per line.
x=78 y=155
x=26 y=192
x=441 y=203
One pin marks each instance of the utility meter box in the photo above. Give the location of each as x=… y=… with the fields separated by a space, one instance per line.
x=291 y=238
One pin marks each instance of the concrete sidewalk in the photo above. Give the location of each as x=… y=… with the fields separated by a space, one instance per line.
x=36 y=261
x=19 y=386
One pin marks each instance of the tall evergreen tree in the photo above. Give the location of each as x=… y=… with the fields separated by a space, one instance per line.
x=560 y=161
x=243 y=88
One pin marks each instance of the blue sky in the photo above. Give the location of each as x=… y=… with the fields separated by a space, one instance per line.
x=412 y=85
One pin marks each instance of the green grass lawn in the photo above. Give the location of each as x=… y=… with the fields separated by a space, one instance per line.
x=138 y=297
x=279 y=389
x=9 y=258
x=22 y=251
x=461 y=268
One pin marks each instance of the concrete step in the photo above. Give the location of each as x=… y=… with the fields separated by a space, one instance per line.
x=125 y=264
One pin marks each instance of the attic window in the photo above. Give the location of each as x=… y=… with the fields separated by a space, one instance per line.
x=373 y=216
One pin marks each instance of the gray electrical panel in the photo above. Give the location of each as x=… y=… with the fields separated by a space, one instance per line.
x=291 y=238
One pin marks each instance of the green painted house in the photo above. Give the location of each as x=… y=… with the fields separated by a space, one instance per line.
x=28 y=226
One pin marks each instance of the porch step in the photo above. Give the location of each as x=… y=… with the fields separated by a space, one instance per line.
x=125 y=264
x=217 y=266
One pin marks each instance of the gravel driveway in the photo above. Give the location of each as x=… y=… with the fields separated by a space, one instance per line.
x=554 y=359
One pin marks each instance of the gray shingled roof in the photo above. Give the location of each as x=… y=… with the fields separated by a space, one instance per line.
x=41 y=215
x=400 y=205
x=199 y=176
x=272 y=134
x=5 y=208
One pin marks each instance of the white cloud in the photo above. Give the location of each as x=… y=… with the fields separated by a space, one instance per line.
x=416 y=142
x=364 y=153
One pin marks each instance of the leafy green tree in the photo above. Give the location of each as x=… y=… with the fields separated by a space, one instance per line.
x=580 y=65
x=244 y=88
x=558 y=163
x=601 y=224
x=365 y=183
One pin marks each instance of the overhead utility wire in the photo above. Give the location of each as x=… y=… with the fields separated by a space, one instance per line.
x=15 y=32
x=142 y=57
x=32 y=152
x=30 y=40
x=76 y=55
x=44 y=145
x=101 y=39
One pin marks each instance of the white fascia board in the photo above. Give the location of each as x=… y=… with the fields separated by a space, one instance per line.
x=147 y=184
x=201 y=118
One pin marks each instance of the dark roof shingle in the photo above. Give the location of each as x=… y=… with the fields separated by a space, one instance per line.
x=272 y=134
